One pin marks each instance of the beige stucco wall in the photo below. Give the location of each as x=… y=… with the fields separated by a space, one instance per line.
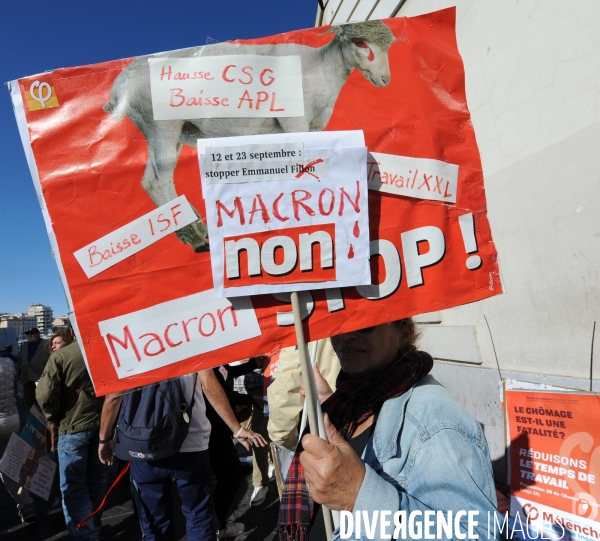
x=533 y=89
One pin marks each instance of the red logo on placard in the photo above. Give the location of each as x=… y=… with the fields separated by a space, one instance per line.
x=282 y=256
x=584 y=508
x=41 y=95
x=531 y=512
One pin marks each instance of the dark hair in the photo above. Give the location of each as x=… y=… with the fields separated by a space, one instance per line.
x=407 y=327
x=65 y=335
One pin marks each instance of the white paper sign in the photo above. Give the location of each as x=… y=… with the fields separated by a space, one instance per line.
x=235 y=172
x=20 y=460
x=229 y=86
x=254 y=153
x=135 y=236
x=177 y=330
x=260 y=163
x=290 y=235
x=413 y=177
x=551 y=523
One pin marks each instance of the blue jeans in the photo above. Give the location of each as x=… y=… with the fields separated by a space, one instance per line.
x=192 y=474
x=82 y=482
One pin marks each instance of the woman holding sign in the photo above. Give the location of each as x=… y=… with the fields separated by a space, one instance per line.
x=421 y=452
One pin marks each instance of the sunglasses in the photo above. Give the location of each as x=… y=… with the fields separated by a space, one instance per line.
x=366 y=330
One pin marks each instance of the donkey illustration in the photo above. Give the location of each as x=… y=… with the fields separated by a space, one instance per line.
x=325 y=69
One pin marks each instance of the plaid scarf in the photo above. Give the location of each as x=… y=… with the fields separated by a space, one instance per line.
x=353 y=402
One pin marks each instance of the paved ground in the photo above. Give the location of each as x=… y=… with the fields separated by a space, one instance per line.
x=120 y=524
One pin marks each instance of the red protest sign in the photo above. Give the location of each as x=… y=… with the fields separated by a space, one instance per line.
x=102 y=162
x=554 y=457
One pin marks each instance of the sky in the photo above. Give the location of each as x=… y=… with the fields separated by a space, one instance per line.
x=39 y=36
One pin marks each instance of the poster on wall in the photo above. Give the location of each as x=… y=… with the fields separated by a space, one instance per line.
x=555 y=461
x=119 y=141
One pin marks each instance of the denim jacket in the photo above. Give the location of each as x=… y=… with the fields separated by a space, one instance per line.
x=427 y=454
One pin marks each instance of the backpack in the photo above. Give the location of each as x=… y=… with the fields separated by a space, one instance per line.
x=153 y=421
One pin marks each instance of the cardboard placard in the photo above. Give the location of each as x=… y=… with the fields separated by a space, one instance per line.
x=300 y=222
x=425 y=254
x=26 y=460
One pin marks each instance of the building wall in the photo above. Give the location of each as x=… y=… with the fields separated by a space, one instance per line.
x=19 y=323
x=533 y=89
x=60 y=323
x=479 y=391
x=43 y=314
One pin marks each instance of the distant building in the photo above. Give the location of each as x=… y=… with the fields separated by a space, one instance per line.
x=43 y=315
x=60 y=323
x=19 y=322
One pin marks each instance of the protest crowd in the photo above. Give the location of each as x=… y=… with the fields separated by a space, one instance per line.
x=385 y=418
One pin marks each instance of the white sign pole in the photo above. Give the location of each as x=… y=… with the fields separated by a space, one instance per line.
x=310 y=399
x=313 y=357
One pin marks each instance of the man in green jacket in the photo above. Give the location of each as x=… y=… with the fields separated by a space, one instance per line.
x=33 y=357
x=67 y=398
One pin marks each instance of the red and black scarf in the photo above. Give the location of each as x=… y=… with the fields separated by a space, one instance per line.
x=353 y=402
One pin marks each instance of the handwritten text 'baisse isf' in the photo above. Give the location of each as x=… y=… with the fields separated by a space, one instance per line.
x=160 y=224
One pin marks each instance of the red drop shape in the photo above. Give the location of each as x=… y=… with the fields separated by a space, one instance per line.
x=356 y=230
x=351 y=252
